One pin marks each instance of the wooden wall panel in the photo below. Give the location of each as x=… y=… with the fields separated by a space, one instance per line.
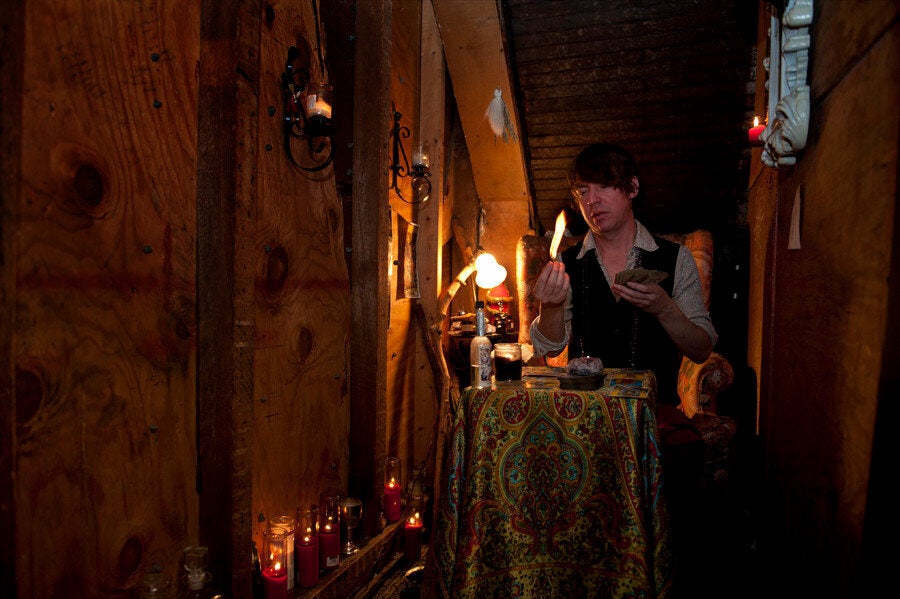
x=104 y=264
x=403 y=334
x=830 y=306
x=12 y=36
x=302 y=311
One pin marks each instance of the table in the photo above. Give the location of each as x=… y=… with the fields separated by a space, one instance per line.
x=552 y=493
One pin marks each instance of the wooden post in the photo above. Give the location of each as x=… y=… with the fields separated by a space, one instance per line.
x=369 y=295
x=225 y=291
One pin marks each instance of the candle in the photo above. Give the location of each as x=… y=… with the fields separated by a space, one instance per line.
x=275 y=582
x=322 y=108
x=755 y=131
x=392 y=501
x=308 y=561
x=420 y=154
x=412 y=538
x=286 y=524
x=329 y=530
x=311 y=104
x=329 y=547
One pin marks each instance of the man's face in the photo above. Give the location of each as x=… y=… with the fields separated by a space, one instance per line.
x=604 y=208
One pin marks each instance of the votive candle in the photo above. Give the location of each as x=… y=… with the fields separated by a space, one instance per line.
x=275 y=582
x=412 y=538
x=392 y=489
x=308 y=560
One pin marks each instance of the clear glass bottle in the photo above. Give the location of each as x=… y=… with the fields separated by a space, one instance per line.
x=480 y=351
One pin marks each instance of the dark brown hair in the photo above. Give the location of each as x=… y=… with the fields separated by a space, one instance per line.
x=606 y=164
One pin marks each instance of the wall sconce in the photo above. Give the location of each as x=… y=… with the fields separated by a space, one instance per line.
x=307 y=115
x=421 y=186
x=787 y=128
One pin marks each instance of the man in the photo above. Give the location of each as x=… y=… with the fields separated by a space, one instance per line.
x=659 y=322
x=632 y=325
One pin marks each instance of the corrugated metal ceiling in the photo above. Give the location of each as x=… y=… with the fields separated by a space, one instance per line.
x=670 y=80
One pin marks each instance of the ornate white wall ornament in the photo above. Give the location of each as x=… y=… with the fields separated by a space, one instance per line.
x=788 y=62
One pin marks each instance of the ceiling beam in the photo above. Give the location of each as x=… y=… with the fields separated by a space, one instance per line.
x=477 y=62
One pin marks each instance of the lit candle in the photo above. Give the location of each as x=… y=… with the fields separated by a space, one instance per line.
x=329 y=546
x=286 y=524
x=412 y=538
x=755 y=131
x=322 y=108
x=392 y=501
x=275 y=572
x=308 y=559
x=275 y=582
x=420 y=154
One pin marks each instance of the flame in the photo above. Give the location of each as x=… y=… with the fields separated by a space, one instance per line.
x=558 y=233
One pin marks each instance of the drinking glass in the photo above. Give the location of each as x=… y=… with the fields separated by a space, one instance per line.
x=351 y=513
x=507 y=362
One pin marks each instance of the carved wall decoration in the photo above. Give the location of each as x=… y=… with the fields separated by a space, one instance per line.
x=788 y=62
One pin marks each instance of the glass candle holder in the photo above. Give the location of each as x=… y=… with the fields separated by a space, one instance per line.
x=195 y=567
x=329 y=530
x=351 y=514
x=318 y=100
x=288 y=524
x=412 y=534
x=274 y=569
x=307 y=546
x=391 y=503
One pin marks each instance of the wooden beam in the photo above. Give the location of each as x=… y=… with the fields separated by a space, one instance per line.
x=227 y=130
x=477 y=62
x=369 y=293
x=12 y=69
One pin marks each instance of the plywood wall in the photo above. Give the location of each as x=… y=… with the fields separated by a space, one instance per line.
x=825 y=305
x=104 y=298
x=302 y=310
x=177 y=294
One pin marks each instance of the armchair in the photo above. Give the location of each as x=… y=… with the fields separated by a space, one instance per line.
x=698 y=384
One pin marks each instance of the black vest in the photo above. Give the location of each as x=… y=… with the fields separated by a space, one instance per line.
x=616 y=332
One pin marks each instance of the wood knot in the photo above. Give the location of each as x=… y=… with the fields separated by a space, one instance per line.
x=88 y=186
x=277 y=264
x=131 y=556
x=304 y=345
x=29 y=395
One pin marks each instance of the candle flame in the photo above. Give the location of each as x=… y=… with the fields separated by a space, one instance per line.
x=558 y=233
x=756 y=121
x=392 y=483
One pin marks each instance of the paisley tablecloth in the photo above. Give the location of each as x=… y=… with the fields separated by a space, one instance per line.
x=549 y=493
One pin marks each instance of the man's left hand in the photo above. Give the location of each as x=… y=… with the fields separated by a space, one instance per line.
x=649 y=298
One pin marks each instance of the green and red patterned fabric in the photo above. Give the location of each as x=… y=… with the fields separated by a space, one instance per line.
x=549 y=493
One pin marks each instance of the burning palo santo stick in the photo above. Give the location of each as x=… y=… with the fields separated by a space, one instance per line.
x=557 y=234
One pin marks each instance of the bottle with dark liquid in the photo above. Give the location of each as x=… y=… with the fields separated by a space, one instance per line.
x=480 y=351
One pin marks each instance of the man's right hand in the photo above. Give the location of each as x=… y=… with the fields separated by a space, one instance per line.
x=552 y=285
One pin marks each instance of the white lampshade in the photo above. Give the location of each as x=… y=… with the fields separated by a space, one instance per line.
x=488 y=272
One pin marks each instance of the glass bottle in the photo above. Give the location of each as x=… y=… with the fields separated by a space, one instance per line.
x=480 y=351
